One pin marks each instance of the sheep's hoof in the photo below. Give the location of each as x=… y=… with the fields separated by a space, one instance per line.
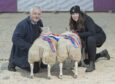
x=49 y=77
x=75 y=76
x=60 y=76
x=31 y=76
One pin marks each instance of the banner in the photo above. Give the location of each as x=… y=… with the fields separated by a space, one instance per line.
x=8 y=5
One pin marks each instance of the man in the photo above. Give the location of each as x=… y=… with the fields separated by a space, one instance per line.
x=23 y=37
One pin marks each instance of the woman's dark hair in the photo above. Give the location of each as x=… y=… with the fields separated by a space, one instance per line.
x=79 y=25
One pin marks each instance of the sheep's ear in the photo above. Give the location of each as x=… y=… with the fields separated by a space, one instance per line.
x=67 y=29
x=46 y=29
x=49 y=28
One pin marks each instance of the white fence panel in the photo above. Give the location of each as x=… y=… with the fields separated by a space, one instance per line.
x=54 y=5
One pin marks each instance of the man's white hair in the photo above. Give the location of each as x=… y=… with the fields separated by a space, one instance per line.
x=34 y=7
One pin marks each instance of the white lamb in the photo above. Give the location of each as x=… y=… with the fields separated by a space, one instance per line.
x=41 y=51
x=66 y=50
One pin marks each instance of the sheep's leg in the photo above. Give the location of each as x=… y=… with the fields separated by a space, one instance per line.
x=82 y=58
x=49 y=71
x=61 y=70
x=76 y=69
x=32 y=68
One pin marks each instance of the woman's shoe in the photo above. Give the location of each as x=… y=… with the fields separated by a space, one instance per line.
x=91 y=67
x=105 y=53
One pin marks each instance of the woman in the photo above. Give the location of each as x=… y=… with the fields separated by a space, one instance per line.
x=90 y=33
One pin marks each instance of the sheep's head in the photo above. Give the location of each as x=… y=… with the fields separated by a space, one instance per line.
x=46 y=31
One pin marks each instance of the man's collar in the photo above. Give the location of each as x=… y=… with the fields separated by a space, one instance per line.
x=32 y=21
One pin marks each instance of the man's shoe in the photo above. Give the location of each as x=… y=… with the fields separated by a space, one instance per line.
x=91 y=67
x=11 y=67
x=43 y=66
